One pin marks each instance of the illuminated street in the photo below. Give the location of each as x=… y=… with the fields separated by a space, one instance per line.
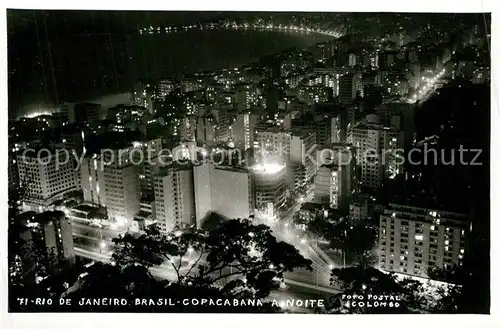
x=427 y=87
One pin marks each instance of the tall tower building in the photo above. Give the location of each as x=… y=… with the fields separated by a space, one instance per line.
x=174 y=198
x=378 y=150
x=122 y=192
x=214 y=194
x=327 y=185
x=119 y=187
x=222 y=128
x=269 y=181
x=347 y=89
x=92 y=181
x=187 y=129
x=87 y=112
x=206 y=129
x=336 y=177
x=303 y=144
x=243 y=130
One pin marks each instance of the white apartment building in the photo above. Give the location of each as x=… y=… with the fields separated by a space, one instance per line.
x=43 y=179
x=174 y=198
x=92 y=181
x=122 y=192
x=413 y=239
x=224 y=190
x=112 y=184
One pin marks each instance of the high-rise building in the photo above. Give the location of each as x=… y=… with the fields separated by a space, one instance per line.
x=113 y=182
x=327 y=185
x=314 y=94
x=52 y=230
x=206 y=129
x=73 y=138
x=379 y=150
x=222 y=132
x=174 y=198
x=296 y=147
x=413 y=240
x=269 y=182
x=141 y=96
x=150 y=150
x=92 y=181
x=323 y=184
x=43 y=178
x=81 y=113
x=87 y=112
x=358 y=207
x=122 y=192
x=273 y=141
x=243 y=130
x=226 y=191
x=187 y=129
x=303 y=144
x=329 y=129
x=347 y=88
x=336 y=178
x=165 y=87
x=245 y=97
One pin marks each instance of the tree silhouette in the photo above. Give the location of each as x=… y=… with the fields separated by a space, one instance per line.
x=245 y=249
x=355 y=238
x=413 y=296
x=359 y=281
x=235 y=260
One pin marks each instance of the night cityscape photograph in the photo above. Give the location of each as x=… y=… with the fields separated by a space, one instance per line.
x=248 y=162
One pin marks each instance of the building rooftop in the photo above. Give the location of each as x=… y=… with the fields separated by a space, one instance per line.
x=311 y=206
x=48 y=216
x=268 y=168
x=84 y=207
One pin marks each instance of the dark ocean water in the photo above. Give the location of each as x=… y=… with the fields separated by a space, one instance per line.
x=81 y=67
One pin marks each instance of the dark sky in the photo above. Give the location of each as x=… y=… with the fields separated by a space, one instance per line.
x=86 y=21
x=56 y=56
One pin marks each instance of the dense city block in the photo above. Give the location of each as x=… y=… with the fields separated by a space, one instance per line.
x=248 y=162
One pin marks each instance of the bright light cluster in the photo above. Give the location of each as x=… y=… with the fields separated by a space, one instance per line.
x=37 y=114
x=428 y=84
x=268 y=168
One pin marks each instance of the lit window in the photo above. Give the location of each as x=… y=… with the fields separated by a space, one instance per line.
x=419 y=237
